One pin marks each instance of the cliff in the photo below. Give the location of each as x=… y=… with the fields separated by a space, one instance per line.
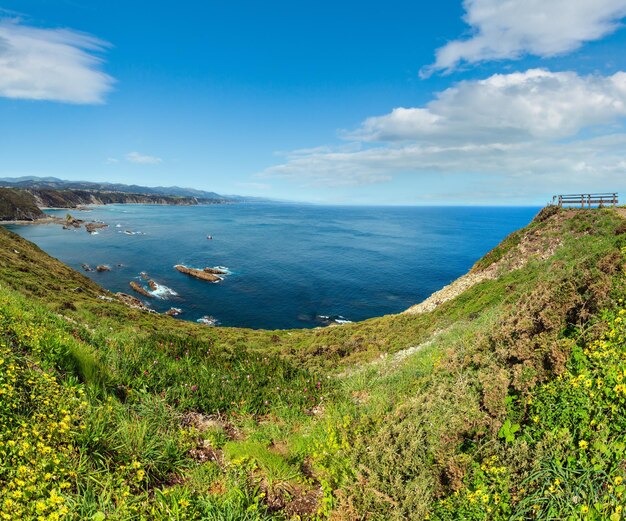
x=26 y=204
x=18 y=205
x=73 y=198
x=500 y=398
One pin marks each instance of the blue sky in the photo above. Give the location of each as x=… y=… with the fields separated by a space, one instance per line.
x=350 y=102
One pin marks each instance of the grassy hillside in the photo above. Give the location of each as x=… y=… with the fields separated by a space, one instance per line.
x=18 y=205
x=506 y=401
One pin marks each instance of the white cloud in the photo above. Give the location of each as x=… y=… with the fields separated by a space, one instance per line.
x=112 y=160
x=541 y=125
x=51 y=64
x=142 y=159
x=509 y=29
x=506 y=108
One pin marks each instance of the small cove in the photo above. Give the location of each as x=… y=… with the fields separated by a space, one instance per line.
x=289 y=265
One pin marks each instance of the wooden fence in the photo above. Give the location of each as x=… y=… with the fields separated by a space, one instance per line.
x=590 y=200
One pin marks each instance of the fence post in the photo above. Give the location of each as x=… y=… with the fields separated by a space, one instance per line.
x=600 y=199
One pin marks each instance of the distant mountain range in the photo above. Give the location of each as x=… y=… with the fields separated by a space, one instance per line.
x=54 y=183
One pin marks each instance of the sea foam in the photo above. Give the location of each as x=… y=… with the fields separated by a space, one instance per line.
x=163 y=292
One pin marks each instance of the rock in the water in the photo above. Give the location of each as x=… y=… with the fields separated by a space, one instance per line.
x=153 y=285
x=92 y=227
x=198 y=274
x=208 y=321
x=214 y=271
x=86 y=267
x=103 y=267
x=173 y=312
x=72 y=222
x=140 y=289
x=144 y=275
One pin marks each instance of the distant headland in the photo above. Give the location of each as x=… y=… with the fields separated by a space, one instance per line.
x=23 y=198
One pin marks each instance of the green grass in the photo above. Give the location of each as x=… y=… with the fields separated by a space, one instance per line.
x=155 y=418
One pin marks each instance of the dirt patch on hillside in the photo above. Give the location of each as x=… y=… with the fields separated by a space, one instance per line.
x=535 y=244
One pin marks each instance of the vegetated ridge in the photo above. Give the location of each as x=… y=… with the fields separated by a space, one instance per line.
x=26 y=204
x=503 y=398
x=53 y=183
x=22 y=198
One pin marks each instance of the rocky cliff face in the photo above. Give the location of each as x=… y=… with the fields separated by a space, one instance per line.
x=26 y=204
x=18 y=205
x=74 y=198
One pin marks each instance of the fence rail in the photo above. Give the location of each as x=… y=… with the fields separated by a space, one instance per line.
x=608 y=198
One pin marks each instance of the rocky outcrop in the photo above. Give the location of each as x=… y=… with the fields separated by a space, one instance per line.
x=173 y=312
x=208 y=320
x=71 y=222
x=140 y=289
x=131 y=301
x=153 y=285
x=198 y=274
x=92 y=227
x=103 y=267
x=214 y=271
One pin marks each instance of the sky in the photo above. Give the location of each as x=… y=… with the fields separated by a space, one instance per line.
x=475 y=102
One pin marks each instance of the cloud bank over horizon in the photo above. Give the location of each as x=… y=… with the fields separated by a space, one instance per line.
x=59 y=65
x=533 y=127
x=536 y=124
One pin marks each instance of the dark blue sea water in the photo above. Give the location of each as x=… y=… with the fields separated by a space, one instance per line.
x=290 y=264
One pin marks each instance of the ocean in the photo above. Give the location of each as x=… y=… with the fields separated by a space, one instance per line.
x=289 y=265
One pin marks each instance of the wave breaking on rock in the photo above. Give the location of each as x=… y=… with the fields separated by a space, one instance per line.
x=208 y=320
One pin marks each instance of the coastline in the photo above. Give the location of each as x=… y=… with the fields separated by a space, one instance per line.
x=44 y=220
x=241 y=234
x=21 y=206
x=50 y=219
